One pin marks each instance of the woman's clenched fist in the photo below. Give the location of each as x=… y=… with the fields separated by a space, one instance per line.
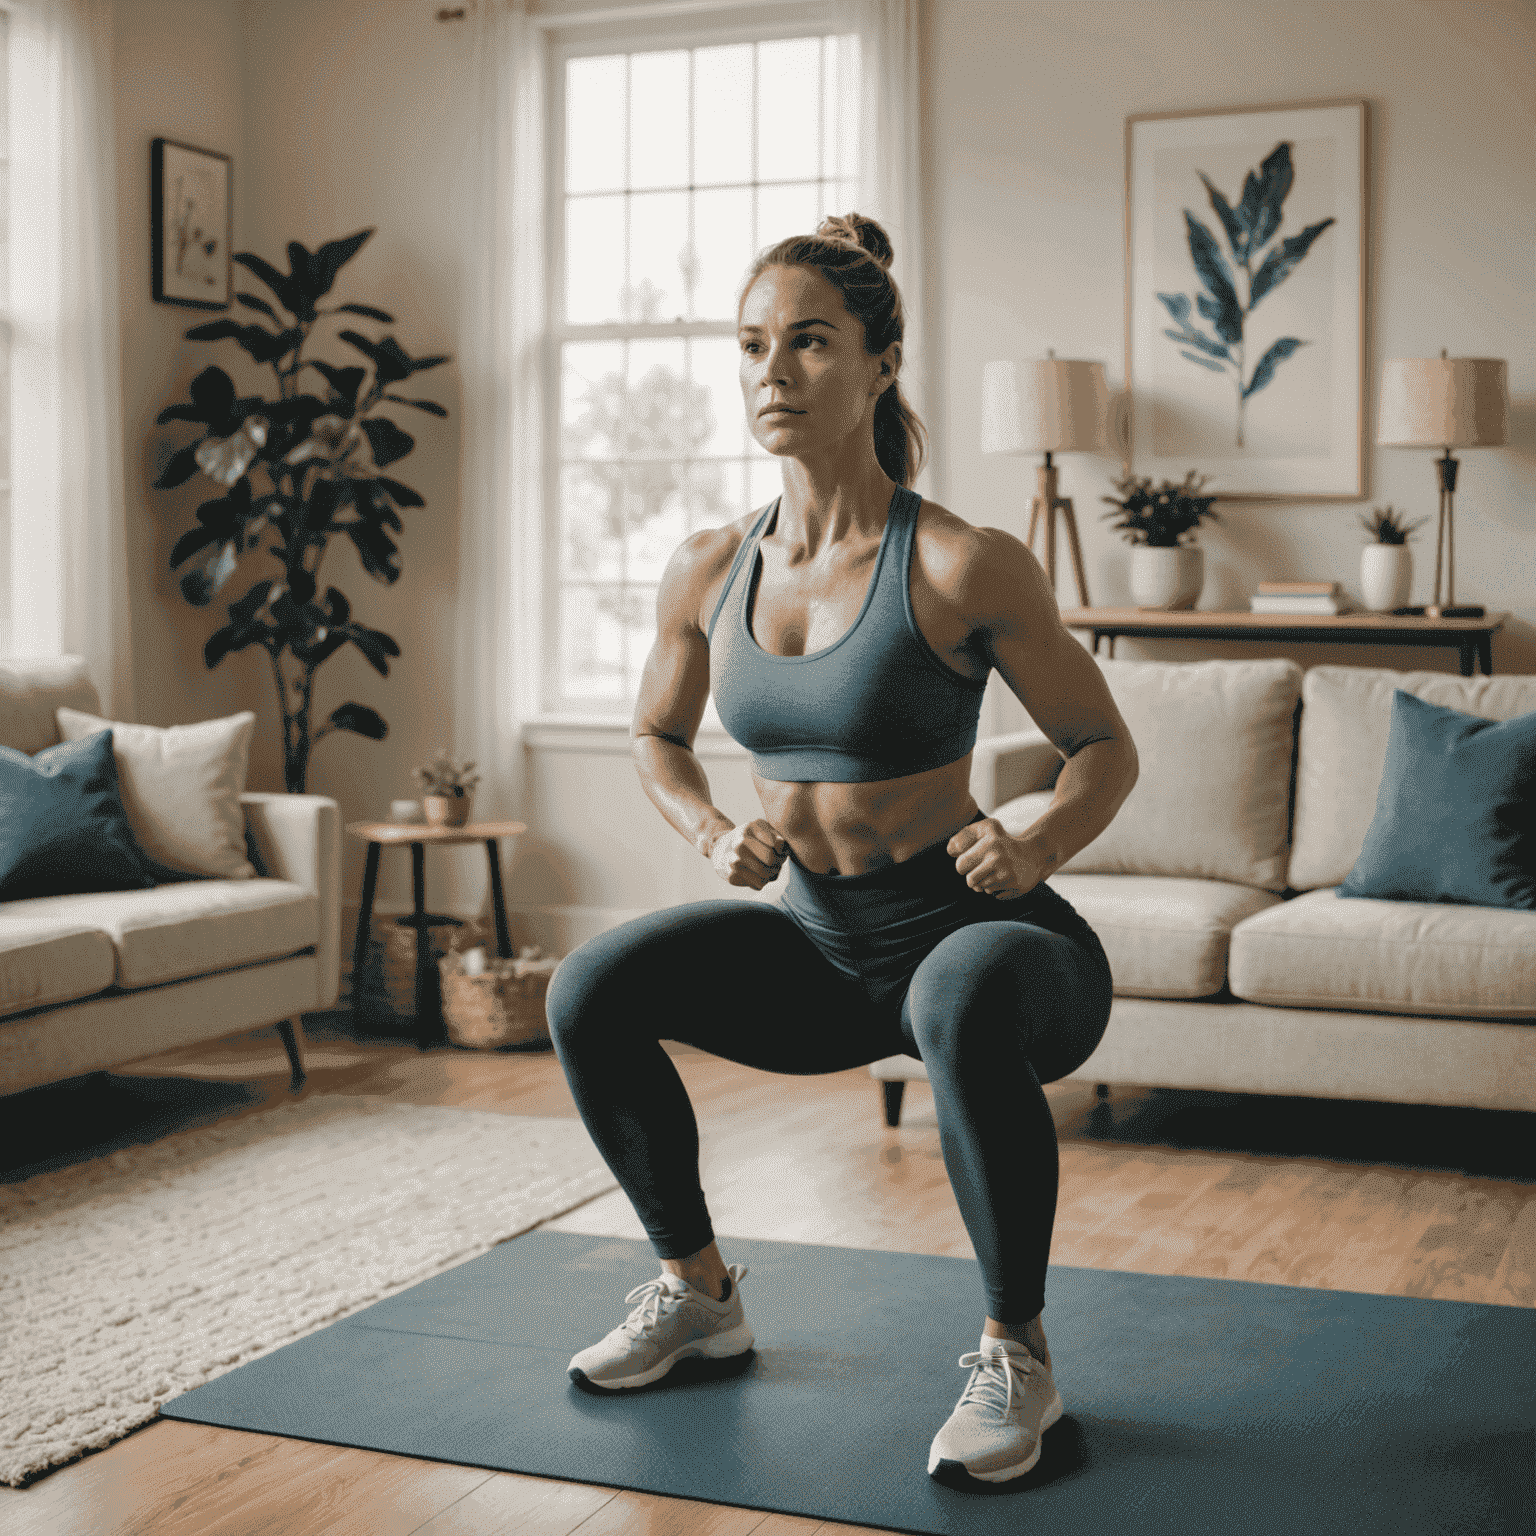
x=749 y=855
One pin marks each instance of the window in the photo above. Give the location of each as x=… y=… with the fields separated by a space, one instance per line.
x=673 y=161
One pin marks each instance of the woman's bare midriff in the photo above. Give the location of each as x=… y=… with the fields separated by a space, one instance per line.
x=847 y=829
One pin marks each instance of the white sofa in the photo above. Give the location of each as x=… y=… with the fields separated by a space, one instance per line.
x=91 y=982
x=1236 y=965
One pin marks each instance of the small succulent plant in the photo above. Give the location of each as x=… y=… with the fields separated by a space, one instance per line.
x=1159 y=516
x=443 y=776
x=1387 y=527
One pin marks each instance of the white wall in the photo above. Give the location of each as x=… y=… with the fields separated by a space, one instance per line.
x=348 y=113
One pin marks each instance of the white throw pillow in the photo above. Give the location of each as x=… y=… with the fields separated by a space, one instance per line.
x=181 y=788
x=1214 y=739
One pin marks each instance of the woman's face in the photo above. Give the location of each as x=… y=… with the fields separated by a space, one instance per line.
x=800 y=348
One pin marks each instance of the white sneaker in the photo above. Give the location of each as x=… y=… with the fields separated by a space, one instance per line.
x=1008 y=1404
x=670 y=1321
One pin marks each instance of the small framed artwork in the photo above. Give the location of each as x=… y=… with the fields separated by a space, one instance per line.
x=1245 y=299
x=189 y=224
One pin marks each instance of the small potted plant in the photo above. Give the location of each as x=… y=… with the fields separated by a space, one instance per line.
x=1386 y=563
x=448 y=789
x=1166 y=572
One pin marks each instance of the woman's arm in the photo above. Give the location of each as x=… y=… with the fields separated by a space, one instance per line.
x=674 y=688
x=1060 y=684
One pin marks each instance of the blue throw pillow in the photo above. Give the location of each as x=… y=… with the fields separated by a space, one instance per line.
x=62 y=824
x=1456 y=812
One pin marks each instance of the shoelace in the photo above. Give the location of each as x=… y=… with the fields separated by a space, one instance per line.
x=648 y=1311
x=986 y=1370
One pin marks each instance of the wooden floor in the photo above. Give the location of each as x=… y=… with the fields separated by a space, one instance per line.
x=1389 y=1199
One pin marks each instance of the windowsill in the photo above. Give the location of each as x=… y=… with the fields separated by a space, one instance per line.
x=609 y=737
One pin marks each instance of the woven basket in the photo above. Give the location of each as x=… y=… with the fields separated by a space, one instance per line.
x=502 y=1006
x=384 y=994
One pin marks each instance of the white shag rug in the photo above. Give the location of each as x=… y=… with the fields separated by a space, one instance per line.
x=132 y=1278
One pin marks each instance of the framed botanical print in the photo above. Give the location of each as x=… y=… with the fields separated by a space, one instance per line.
x=1245 y=298
x=189 y=224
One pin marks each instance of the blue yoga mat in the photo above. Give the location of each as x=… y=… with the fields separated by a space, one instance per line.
x=1192 y=1405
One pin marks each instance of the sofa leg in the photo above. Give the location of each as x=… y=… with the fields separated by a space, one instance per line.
x=892 y=1093
x=1102 y=1089
x=286 y=1028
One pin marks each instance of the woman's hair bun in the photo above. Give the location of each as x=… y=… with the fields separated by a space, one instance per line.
x=861 y=231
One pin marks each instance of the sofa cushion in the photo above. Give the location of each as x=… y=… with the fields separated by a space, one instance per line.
x=1213 y=797
x=181 y=787
x=44 y=962
x=31 y=689
x=62 y=824
x=1162 y=937
x=1456 y=812
x=1323 y=950
x=190 y=928
x=1346 y=719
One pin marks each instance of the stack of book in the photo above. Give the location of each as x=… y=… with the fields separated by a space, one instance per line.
x=1299 y=597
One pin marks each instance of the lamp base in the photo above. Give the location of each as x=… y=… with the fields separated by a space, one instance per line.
x=1454 y=611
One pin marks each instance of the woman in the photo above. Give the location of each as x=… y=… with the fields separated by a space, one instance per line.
x=848 y=629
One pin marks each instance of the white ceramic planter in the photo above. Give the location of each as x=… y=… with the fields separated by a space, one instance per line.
x=1166 y=578
x=1386 y=576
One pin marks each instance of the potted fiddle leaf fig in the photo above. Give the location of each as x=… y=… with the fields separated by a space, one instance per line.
x=322 y=453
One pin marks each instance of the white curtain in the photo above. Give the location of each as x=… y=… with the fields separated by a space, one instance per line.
x=500 y=322
x=68 y=533
x=890 y=184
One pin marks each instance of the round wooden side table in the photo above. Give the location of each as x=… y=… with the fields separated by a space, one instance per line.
x=386 y=834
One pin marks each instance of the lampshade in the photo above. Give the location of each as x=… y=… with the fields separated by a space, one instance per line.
x=1443 y=402
x=1056 y=406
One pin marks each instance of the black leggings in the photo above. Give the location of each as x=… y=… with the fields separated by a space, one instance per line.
x=995 y=997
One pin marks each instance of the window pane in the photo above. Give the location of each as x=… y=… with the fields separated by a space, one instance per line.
x=657 y=518
x=840 y=108
x=789 y=210
x=591 y=522
x=667 y=414
x=658 y=119
x=722 y=114
x=717 y=370
x=591 y=662
x=594 y=124
x=658 y=256
x=722 y=237
x=788 y=108
x=639 y=633
x=764 y=480
x=716 y=493
x=591 y=380
x=594 y=258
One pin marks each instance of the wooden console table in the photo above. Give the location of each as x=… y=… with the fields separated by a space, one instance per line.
x=1471 y=637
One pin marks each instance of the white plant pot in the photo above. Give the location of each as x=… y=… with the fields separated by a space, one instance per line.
x=1386 y=576
x=1166 y=578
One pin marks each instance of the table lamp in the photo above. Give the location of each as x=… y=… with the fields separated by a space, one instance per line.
x=1444 y=402
x=1055 y=406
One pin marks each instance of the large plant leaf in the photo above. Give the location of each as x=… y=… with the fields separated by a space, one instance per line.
x=284 y=287
x=179 y=468
x=430 y=406
x=263 y=345
x=232 y=637
x=1177 y=305
x=253 y=301
x=386 y=441
x=1231 y=219
x=1277 y=265
x=1266 y=367
x=368 y=310
x=331 y=258
x=1217 y=277
x=375 y=645
x=1205 y=362
x=401 y=495
x=345 y=381
x=377 y=551
x=200 y=584
x=1276 y=174
x=361 y=720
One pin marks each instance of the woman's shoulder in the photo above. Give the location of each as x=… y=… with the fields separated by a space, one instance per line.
x=980 y=570
x=700 y=565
